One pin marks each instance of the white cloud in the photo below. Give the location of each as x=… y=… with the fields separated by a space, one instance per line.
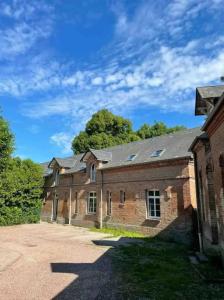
x=97 y=81
x=62 y=140
x=29 y=22
x=148 y=64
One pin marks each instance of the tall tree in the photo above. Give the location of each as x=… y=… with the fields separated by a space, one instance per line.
x=21 y=183
x=104 y=130
x=6 y=143
x=158 y=128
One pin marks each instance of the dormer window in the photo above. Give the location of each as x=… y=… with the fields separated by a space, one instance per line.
x=157 y=153
x=93 y=173
x=57 y=177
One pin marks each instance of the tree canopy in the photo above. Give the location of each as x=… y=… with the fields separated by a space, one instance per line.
x=105 y=129
x=6 y=143
x=158 y=128
x=21 y=183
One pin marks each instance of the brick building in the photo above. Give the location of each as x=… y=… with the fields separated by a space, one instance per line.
x=147 y=186
x=208 y=149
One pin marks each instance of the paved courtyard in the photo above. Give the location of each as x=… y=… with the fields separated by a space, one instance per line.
x=50 y=261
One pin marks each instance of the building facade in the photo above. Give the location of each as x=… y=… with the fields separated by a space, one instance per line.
x=208 y=149
x=146 y=186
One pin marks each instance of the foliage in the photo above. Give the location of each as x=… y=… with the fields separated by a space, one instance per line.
x=105 y=129
x=21 y=183
x=119 y=232
x=159 y=270
x=158 y=128
x=6 y=143
x=20 y=192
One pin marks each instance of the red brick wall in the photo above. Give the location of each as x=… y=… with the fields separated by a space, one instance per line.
x=174 y=180
x=215 y=131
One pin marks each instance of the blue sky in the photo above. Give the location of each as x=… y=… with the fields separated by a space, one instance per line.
x=63 y=60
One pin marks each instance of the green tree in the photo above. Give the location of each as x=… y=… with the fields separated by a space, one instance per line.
x=6 y=143
x=157 y=129
x=21 y=183
x=104 y=130
x=20 y=192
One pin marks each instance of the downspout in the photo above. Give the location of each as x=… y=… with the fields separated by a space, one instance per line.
x=101 y=202
x=199 y=213
x=70 y=205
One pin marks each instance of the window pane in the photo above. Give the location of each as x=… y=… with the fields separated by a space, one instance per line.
x=151 y=200
x=152 y=213
x=157 y=193
x=151 y=193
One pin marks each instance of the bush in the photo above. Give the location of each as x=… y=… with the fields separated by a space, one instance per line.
x=20 y=192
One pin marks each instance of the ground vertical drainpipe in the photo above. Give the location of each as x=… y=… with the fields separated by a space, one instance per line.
x=101 y=201
x=199 y=213
x=70 y=205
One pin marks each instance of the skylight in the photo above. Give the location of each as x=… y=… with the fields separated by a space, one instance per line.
x=157 y=153
x=131 y=157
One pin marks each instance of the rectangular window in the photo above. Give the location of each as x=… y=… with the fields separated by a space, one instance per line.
x=153 y=204
x=91 y=204
x=109 y=203
x=157 y=153
x=122 y=197
x=76 y=203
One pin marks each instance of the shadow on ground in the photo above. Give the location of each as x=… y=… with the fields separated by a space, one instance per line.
x=94 y=279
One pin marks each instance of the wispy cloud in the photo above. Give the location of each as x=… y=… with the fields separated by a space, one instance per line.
x=62 y=140
x=28 y=21
x=155 y=60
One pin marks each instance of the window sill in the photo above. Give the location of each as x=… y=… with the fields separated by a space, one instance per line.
x=153 y=219
x=90 y=214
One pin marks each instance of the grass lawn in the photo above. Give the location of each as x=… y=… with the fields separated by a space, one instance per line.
x=119 y=232
x=161 y=270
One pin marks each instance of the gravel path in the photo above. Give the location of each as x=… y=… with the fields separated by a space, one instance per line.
x=51 y=261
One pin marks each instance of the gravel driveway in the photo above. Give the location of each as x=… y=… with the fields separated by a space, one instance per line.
x=51 y=261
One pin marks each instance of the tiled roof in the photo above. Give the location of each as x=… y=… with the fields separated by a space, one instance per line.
x=211 y=91
x=175 y=145
x=204 y=94
x=101 y=155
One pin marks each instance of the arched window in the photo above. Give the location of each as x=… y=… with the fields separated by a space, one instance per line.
x=93 y=173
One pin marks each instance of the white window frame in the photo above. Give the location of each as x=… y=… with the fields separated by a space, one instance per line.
x=122 y=197
x=93 y=173
x=91 y=209
x=152 y=202
x=109 y=203
x=57 y=174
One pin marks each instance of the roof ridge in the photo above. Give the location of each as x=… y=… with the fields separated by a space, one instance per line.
x=133 y=143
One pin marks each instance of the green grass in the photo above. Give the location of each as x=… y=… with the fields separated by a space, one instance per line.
x=119 y=232
x=160 y=270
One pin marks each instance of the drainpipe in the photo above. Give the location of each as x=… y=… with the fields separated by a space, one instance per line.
x=101 y=202
x=70 y=206
x=199 y=213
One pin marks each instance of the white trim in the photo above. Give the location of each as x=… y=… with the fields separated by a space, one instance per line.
x=155 y=198
x=94 y=198
x=110 y=197
x=93 y=173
